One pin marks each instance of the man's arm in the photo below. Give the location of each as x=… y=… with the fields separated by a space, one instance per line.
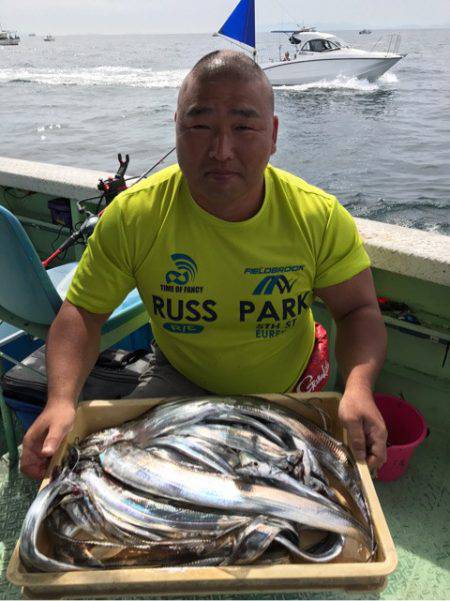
x=360 y=353
x=72 y=350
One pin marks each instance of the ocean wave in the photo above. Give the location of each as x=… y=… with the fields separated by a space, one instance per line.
x=18 y=80
x=405 y=214
x=96 y=76
x=358 y=205
x=428 y=226
x=48 y=126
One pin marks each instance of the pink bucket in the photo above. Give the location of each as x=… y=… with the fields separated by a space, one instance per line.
x=406 y=430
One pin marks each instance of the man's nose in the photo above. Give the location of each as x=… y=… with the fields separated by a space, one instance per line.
x=221 y=146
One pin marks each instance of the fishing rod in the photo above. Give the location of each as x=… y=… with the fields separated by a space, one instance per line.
x=109 y=188
x=113 y=185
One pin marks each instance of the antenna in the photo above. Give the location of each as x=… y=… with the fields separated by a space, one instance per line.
x=288 y=13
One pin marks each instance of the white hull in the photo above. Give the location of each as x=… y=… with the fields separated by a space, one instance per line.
x=305 y=70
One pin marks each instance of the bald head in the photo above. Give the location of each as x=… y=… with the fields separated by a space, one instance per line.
x=226 y=131
x=227 y=65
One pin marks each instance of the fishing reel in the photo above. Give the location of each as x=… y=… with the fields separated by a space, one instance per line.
x=109 y=189
x=113 y=185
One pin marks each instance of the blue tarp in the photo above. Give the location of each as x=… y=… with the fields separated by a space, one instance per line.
x=240 y=25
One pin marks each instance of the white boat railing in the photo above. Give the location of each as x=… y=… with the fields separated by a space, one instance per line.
x=393 y=43
x=397 y=249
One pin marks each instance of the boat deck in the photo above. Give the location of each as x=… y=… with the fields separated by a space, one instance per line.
x=417 y=509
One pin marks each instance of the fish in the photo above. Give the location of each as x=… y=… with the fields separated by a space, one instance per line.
x=143 y=470
x=251 y=468
x=154 y=514
x=323 y=552
x=29 y=553
x=200 y=481
x=200 y=451
x=104 y=554
x=332 y=454
x=256 y=538
x=242 y=439
x=161 y=419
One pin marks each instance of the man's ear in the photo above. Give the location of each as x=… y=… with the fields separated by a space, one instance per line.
x=274 y=134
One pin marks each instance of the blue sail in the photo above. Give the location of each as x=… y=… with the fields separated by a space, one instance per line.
x=240 y=25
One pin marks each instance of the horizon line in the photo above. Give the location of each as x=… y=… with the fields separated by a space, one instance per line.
x=337 y=28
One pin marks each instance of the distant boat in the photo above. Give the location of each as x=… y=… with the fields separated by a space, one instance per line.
x=313 y=56
x=31 y=35
x=306 y=29
x=49 y=38
x=365 y=31
x=8 y=37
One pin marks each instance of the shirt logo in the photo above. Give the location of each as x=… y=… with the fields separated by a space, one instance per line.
x=185 y=272
x=273 y=270
x=182 y=328
x=267 y=284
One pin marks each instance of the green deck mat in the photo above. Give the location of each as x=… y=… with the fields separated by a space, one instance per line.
x=417 y=508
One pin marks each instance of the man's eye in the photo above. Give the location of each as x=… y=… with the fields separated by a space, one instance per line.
x=200 y=126
x=244 y=128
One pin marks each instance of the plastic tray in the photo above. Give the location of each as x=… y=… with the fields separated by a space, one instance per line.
x=94 y=415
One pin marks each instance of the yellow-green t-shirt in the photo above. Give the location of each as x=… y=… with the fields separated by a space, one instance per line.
x=229 y=302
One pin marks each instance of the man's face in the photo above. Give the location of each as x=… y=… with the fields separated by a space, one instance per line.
x=226 y=133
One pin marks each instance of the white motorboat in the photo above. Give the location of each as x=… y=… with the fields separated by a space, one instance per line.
x=313 y=56
x=320 y=56
x=49 y=38
x=8 y=37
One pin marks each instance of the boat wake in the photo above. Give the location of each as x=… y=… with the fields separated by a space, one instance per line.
x=147 y=78
x=389 y=77
x=343 y=83
x=96 y=76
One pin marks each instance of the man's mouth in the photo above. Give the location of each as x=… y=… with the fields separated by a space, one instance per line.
x=221 y=174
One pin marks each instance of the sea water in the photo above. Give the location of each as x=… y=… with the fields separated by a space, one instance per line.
x=383 y=148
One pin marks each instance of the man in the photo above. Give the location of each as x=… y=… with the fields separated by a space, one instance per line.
x=227 y=254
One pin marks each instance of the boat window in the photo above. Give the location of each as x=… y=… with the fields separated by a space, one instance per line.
x=334 y=45
x=339 y=43
x=319 y=46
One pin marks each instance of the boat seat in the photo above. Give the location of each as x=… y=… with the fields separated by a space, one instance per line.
x=30 y=298
x=130 y=307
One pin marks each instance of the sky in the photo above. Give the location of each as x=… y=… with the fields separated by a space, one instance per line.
x=206 y=16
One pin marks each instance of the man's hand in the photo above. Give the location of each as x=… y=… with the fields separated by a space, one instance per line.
x=44 y=437
x=71 y=351
x=360 y=352
x=365 y=426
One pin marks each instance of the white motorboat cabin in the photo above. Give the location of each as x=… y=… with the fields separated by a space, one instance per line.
x=315 y=41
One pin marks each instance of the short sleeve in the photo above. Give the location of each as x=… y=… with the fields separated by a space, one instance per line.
x=104 y=275
x=342 y=254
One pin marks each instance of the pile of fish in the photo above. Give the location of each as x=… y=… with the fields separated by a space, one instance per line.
x=200 y=482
